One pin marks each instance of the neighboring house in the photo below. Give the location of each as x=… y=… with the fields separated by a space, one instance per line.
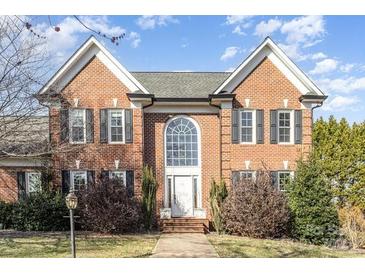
x=191 y=127
x=24 y=155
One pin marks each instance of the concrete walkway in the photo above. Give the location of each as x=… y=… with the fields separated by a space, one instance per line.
x=184 y=245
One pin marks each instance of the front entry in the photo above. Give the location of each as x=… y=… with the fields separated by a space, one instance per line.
x=182 y=202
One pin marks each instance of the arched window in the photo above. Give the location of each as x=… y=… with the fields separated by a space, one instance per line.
x=181 y=143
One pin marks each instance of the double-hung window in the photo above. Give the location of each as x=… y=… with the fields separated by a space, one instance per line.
x=78 y=125
x=119 y=176
x=78 y=180
x=247 y=122
x=285 y=126
x=283 y=178
x=33 y=182
x=116 y=126
x=247 y=175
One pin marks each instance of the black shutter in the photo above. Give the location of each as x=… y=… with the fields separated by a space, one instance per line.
x=298 y=126
x=274 y=178
x=259 y=126
x=64 y=125
x=103 y=126
x=89 y=125
x=65 y=182
x=104 y=175
x=273 y=126
x=130 y=182
x=235 y=126
x=128 y=118
x=90 y=174
x=22 y=193
x=235 y=177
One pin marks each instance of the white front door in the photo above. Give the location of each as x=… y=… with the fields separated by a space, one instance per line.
x=182 y=200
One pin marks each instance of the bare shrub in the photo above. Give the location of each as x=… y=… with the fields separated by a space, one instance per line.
x=255 y=208
x=352 y=223
x=106 y=207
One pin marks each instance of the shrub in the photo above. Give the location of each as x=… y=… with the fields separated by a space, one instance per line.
x=255 y=208
x=106 y=207
x=41 y=211
x=315 y=218
x=217 y=194
x=149 y=187
x=353 y=225
x=6 y=214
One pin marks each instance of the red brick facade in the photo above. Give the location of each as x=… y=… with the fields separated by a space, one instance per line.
x=95 y=86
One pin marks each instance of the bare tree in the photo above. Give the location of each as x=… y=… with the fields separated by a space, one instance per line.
x=23 y=67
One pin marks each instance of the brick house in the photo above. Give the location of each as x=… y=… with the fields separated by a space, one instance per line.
x=191 y=127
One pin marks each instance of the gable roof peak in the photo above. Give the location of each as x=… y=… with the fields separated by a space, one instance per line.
x=268 y=48
x=89 y=49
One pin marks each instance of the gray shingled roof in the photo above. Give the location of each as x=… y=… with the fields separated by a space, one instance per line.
x=181 y=84
x=27 y=136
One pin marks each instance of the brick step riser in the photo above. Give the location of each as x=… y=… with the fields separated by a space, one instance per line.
x=183 y=222
x=183 y=230
x=183 y=226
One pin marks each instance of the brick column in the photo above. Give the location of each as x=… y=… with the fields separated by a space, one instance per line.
x=138 y=149
x=307 y=132
x=225 y=116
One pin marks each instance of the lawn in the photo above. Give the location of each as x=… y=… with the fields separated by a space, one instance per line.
x=57 y=245
x=243 y=247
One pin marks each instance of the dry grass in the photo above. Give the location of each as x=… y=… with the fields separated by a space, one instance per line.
x=243 y=247
x=57 y=245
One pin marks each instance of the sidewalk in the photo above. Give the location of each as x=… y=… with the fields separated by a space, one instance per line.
x=184 y=245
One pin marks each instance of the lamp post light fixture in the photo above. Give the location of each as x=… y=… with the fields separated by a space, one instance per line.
x=71 y=202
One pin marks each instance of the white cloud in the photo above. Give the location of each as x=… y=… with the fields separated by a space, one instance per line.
x=342 y=85
x=237 y=30
x=263 y=29
x=341 y=103
x=229 y=53
x=324 y=66
x=151 y=21
x=294 y=52
x=237 y=19
x=59 y=44
x=347 y=68
x=135 y=39
x=302 y=32
x=241 y=22
x=303 y=29
x=318 y=56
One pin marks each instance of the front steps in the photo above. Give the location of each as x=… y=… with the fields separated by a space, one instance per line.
x=185 y=225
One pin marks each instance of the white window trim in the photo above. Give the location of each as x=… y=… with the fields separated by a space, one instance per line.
x=291 y=175
x=109 y=126
x=27 y=174
x=253 y=172
x=119 y=171
x=291 y=141
x=72 y=184
x=187 y=169
x=70 y=125
x=253 y=127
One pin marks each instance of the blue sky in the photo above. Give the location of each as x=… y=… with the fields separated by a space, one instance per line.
x=328 y=48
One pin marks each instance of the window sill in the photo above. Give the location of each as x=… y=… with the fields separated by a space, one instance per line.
x=248 y=144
